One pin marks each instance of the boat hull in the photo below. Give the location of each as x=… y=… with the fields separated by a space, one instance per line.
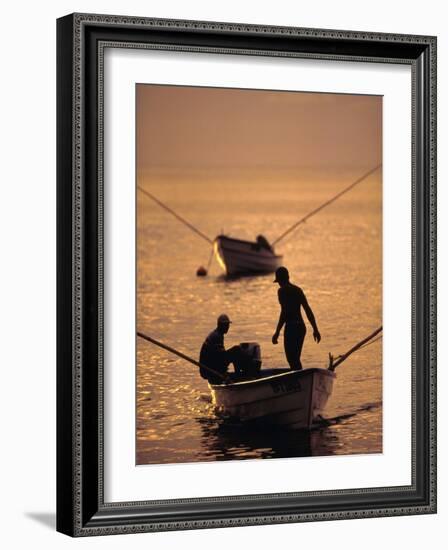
x=294 y=399
x=237 y=257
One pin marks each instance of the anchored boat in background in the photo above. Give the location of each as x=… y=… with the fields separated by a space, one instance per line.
x=238 y=257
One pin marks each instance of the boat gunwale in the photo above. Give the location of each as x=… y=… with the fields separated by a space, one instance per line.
x=258 y=381
x=252 y=253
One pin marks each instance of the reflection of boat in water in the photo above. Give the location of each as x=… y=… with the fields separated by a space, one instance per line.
x=236 y=256
x=227 y=441
x=278 y=397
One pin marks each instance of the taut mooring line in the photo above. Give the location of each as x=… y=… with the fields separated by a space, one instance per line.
x=335 y=361
x=319 y=208
x=168 y=209
x=179 y=354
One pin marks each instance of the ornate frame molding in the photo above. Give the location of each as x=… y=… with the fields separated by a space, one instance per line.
x=81 y=42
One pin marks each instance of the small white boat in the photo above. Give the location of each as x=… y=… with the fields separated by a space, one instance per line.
x=238 y=257
x=282 y=397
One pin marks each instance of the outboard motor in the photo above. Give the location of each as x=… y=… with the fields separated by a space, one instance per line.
x=249 y=361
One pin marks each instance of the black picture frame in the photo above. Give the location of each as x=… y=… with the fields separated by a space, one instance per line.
x=81 y=509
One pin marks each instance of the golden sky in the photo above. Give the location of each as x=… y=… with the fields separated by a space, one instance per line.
x=191 y=128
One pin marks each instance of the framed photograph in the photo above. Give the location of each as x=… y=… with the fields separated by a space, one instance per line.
x=246 y=274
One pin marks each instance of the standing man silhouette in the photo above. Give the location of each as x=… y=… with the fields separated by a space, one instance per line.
x=291 y=299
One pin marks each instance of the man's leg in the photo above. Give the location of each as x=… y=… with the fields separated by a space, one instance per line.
x=300 y=340
x=294 y=335
x=218 y=367
x=290 y=344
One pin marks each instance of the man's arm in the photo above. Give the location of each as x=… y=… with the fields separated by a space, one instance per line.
x=217 y=343
x=281 y=322
x=311 y=318
x=213 y=347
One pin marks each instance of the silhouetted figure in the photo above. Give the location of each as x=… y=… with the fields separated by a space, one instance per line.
x=291 y=299
x=213 y=353
x=262 y=242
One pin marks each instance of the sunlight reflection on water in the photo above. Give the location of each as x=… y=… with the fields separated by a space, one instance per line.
x=336 y=258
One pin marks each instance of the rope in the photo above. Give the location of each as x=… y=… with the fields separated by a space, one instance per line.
x=210 y=259
x=180 y=354
x=363 y=346
x=334 y=362
x=371 y=342
x=168 y=209
x=319 y=208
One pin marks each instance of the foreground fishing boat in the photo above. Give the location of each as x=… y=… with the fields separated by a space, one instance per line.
x=238 y=257
x=279 y=397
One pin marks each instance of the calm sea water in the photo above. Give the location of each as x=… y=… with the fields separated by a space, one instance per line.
x=335 y=257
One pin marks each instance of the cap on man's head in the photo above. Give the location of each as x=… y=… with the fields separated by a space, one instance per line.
x=282 y=274
x=223 y=319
